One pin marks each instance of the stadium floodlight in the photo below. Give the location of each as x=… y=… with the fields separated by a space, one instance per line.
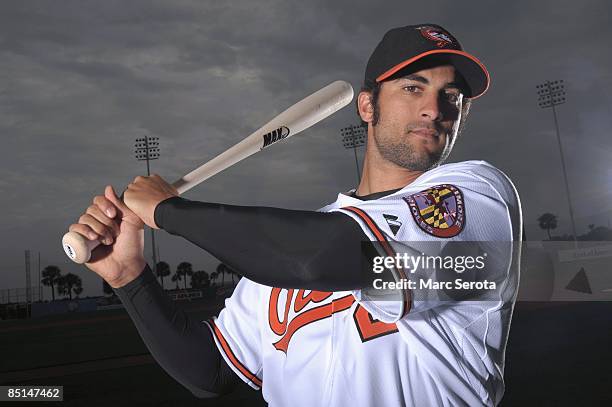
x=550 y=95
x=353 y=137
x=146 y=149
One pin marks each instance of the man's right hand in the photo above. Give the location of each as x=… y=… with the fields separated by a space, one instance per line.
x=119 y=259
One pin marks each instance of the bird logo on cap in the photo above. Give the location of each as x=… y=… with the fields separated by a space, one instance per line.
x=440 y=37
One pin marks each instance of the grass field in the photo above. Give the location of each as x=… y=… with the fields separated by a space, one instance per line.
x=557 y=355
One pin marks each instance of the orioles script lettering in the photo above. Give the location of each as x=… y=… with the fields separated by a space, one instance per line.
x=297 y=300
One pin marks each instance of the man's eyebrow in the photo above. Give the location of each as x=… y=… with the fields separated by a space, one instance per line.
x=418 y=78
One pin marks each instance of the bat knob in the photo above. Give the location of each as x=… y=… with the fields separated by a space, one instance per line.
x=77 y=247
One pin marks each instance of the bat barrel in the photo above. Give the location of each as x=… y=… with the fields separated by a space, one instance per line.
x=297 y=118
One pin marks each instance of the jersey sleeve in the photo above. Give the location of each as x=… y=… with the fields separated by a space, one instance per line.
x=237 y=333
x=457 y=212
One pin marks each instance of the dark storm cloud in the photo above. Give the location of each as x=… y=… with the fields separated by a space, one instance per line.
x=79 y=80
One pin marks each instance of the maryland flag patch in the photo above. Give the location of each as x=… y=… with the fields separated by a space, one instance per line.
x=439 y=210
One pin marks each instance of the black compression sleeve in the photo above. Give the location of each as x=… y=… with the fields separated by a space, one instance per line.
x=276 y=247
x=184 y=347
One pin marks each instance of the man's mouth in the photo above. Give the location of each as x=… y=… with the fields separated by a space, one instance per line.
x=425 y=133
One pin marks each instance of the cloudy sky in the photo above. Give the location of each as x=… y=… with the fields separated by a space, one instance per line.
x=80 y=80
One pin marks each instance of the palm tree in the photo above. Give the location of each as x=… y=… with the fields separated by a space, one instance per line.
x=60 y=286
x=77 y=286
x=547 y=222
x=200 y=279
x=78 y=290
x=238 y=276
x=222 y=269
x=184 y=269
x=232 y=273
x=50 y=276
x=69 y=282
x=213 y=278
x=175 y=279
x=162 y=269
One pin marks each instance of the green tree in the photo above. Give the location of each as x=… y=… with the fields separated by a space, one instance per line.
x=175 y=279
x=78 y=290
x=232 y=273
x=69 y=282
x=597 y=233
x=162 y=269
x=200 y=279
x=213 y=278
x=60 y=286
x=184 y=269
x=548 y=222
x=238 y=276
x=50 y=276
x=222 y=269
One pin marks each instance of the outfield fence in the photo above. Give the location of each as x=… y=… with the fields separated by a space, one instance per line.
x=20 y=295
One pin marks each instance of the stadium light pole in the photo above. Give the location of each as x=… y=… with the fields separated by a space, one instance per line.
x=39 y=281
x=147 y=149
x=353 y=137
x=551 y=94
x=28 y=284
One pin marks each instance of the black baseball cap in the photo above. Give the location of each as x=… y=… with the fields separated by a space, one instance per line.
x=403 y=46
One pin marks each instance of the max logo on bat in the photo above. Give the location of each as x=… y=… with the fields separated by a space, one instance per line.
x=274 y=136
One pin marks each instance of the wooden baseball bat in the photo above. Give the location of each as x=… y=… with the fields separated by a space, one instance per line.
x=292 y=121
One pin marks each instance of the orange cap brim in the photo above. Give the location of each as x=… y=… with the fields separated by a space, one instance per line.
x=407 y=62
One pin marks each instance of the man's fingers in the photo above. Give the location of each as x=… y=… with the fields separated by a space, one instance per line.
x=89 y=233
x=111 y=195
x=84 y=230
x=101 y=229
x=167 y=186
x=105 y=206
x=123 y=211
x=100 y=216
x=140 y=179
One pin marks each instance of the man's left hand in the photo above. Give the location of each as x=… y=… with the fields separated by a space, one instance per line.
x=144 y=194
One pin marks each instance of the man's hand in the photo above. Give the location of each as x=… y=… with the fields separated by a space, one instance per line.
x=119 y=259
x=144 y=194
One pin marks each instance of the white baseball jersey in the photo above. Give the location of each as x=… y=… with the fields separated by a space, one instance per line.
x=311 y=348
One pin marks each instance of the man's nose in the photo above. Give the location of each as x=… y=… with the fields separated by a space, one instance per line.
x=430 y=109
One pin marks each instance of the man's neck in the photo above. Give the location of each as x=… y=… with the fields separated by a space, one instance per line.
x=381 y=175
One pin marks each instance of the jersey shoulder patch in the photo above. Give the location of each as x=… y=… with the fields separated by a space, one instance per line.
x=439 y=210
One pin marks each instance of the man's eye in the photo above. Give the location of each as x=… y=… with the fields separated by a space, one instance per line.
x=411 y=88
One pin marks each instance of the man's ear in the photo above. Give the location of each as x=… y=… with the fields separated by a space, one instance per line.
x=365 y=107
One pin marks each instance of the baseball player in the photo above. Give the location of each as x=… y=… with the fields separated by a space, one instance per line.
x=306 y=325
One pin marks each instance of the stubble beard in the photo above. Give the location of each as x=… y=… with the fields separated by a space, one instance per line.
x=402 y=152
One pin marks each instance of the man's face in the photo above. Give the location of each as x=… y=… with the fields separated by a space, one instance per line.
x=418 y=119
